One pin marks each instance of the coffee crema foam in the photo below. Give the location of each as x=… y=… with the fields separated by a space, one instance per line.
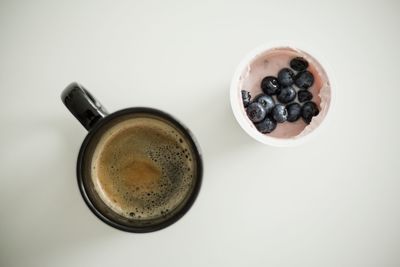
x=143 y=168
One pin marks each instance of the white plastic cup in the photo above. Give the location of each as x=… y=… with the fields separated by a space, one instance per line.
x=238 y=108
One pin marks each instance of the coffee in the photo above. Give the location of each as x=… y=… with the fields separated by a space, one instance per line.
x=143 y=168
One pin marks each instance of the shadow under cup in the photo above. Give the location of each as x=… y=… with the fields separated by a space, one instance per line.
x=85 y=173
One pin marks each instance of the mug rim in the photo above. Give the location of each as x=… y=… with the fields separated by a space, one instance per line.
x=148 y=228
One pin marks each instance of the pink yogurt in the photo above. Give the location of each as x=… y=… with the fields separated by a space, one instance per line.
x=268 y=63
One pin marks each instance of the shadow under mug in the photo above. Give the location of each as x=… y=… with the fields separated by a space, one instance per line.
x=94 y=117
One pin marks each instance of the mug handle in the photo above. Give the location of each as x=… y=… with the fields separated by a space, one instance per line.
x=83 y=105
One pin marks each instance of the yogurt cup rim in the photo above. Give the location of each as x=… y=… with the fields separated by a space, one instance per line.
x=237 y=107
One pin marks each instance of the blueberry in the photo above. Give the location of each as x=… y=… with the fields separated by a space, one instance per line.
x=308 y=111
x=299 y=64
x=304 y=95
x=256 y=112
x=267 y=125
x=294 y=112
x=266 y=101
x=279 y=113
x=246 y=97
x=304 y=79
x=270 y=85
x=287 y=95
x=285 y=77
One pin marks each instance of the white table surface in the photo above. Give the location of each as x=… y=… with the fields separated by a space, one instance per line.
x=334 y=201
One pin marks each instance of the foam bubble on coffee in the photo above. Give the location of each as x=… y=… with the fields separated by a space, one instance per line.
x=143 y=168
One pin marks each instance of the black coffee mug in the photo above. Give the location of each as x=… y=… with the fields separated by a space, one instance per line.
x=94 y=117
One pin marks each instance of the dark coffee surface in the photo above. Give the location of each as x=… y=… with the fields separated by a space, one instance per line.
x=143 y=168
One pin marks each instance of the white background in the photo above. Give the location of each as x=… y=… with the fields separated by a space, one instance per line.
x=334 y=201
